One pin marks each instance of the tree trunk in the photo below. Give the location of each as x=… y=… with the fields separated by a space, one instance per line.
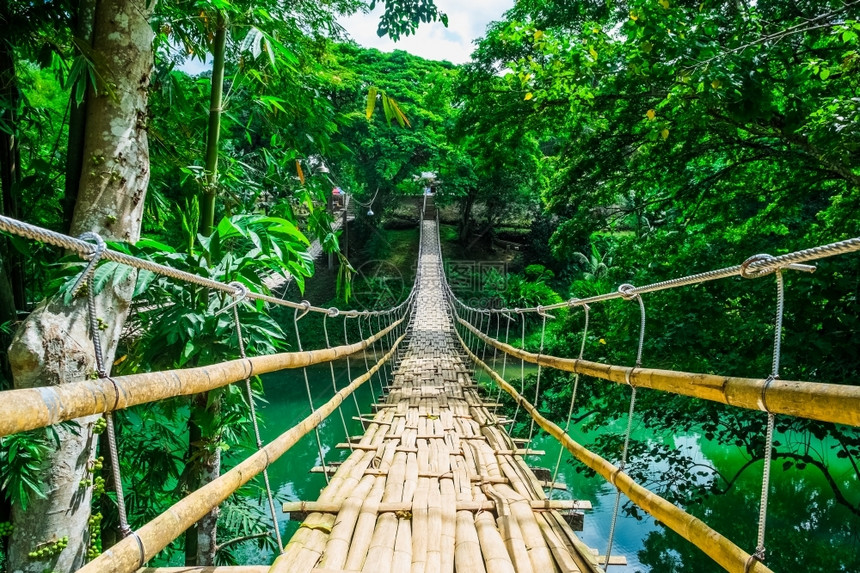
x=466 y=218
x=200 y=548
x=83 y=24
x=219 y=49
x=204 y=454
x=10 y=167
x=53 y=345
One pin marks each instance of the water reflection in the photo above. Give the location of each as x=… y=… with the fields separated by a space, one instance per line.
x=807 y=530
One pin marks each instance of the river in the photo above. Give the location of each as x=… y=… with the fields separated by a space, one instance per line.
x=807 y=529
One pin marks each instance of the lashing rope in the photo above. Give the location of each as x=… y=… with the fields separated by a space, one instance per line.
x=349 y=373
x=333 y=312
x=253 y=411
x=627 y=293
x=759 y=554
x=544 y=316
x=570 y=409
x=102 y=369
x=296 y=319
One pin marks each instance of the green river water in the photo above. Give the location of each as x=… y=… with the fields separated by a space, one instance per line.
x=807 y=529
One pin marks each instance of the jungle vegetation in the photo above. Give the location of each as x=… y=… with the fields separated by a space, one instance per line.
x=615 y=142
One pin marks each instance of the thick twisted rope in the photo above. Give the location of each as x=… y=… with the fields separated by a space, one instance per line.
x=755 y=269
x=86 y=250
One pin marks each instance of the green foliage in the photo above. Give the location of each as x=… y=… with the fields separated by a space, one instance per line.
x=21 y=461
x=402 y=17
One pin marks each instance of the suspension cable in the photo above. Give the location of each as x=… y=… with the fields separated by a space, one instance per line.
x=366 y=363
x=504 y=360
x=570 y=409
x=522 y=368
x=296 y=319
x=537 y=381
x=349 y=373
x=102 y=369
x=628 y=293
x=253 y=411
x=759 y=554
x=334 y=313
x=759 y=267
x=86 y=250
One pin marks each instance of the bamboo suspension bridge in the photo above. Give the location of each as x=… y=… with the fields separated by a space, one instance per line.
x=435 y=484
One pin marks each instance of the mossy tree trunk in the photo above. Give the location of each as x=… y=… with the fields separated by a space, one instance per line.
x=53 y=345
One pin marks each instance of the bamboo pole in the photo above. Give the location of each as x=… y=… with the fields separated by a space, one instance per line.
x=716 y=546
x=221 y=569
x=836 y=403
x=467 y=551
x=337 y=547
x=493 y=549
x=363 y=534
x=126 y=556
x=31 y=408
x=296 y=555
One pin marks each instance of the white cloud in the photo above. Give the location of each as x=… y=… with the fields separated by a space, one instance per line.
x=467 y=21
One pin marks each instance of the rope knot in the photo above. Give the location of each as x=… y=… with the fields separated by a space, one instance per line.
x=334 y=312
x=627 y=291
x=748 y=273
x=306 y=306
x=94 y=258
x=240 y=294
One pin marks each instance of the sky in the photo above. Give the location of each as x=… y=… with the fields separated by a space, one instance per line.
x=467 y=21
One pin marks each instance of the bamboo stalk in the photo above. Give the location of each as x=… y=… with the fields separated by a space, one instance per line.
x=434 y=529
x=719 y=548
x=420 y=522
x=364 y=527
x=402 y=547
x=496 y=556
x=449 y=523
x=31 y=408
x=380 y=556
x=337 y=547
x=836 y=403
x=126 y=556
x=536 y=546
x=511 y=533
x=467 y=551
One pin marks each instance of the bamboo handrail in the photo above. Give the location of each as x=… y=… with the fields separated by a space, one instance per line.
x=389 y=507
x=126 y=556
x=715 y=545
x=31 y=408
x=814 y=400
x=202 y=569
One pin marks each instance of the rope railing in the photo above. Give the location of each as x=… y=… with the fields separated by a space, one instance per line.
x=754 y=267
x=814 y=400
x=834 y=403
x=715 y=545
x=133 y=552
x=88 y=250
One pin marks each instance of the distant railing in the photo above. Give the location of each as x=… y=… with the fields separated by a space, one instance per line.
x=826 y=402
x=30 y=408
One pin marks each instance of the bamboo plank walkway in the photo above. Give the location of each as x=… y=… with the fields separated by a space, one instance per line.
x=435 y=484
